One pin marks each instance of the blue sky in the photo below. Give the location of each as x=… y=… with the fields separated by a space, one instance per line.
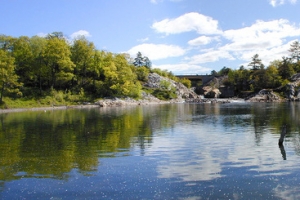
x=182 y=36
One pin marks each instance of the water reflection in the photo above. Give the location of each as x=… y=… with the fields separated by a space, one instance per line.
x=205 y=150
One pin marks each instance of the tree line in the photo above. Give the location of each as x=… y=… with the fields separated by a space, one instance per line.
x=257 y=76
x=38 y=66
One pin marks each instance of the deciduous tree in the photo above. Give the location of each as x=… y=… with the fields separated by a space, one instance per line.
x=8 y=78
x=57 y=58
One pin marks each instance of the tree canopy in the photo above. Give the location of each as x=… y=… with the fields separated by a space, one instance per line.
x=36 y=66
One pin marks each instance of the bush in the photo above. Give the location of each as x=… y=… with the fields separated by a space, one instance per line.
x=164 y=94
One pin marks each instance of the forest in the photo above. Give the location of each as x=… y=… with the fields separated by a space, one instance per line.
x=40 y=71
x=256 y=76
x=53 y=70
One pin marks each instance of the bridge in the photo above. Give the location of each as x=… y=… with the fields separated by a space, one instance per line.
x=195 y=77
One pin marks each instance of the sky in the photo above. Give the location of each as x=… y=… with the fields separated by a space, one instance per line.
x=181 y=36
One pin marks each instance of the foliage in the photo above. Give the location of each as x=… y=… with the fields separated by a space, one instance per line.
x=141 y=61
x=142 y=73
x=54 y=70
x=8 y=79
x=256 y=62
x=164 y=94
x=295 y=51
x=186 y=82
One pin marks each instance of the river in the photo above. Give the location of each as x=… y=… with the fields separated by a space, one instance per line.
x=167 y=151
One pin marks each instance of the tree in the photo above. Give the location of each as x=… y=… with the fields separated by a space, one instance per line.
x=38 y=67
x=295 y=51
x=8 y=78
x=6 y=43
x=224 y=71
x=148 y=63
x=83 y=53
x=56 y=56
x=286 y=70
x=23 y=55
x=140 y=61
x=273 y=77
x=256 y=62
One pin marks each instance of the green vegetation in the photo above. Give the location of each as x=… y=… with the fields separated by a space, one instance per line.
x=258 y=77
x=46 y=71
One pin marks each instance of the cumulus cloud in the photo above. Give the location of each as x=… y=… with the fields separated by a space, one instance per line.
x=275 y=3
x=210 y=55
x=157 y=51
x=268 y=39
x=261 y=35
x=80 y=33
x=188 y=22
x=202 y=40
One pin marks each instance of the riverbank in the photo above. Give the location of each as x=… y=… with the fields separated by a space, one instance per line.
x=117 y=102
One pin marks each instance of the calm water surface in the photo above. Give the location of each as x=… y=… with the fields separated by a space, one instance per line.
x=176 y=151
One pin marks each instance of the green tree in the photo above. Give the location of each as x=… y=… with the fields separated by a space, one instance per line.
x=224 y=71
x=256 y=62
x=83 y=53
x=286 y=70
x=8 y=78
x=142 y=73
x=140 y=61
x=186 y=82
x=272 y=73
x=127 y=83
x=57 y=58
x=295 y=51
x=38 y=67
x=6 y=43
x=23 y=55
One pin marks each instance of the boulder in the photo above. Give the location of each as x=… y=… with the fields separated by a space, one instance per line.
x=264 y=95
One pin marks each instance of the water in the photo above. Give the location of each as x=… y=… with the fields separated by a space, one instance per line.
x=172 y=151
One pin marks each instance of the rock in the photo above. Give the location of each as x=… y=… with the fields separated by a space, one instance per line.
x=210 y=92
x=264 y=95
x=154 y=82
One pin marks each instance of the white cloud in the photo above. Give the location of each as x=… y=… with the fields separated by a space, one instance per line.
x=42 y=34
x=275 y=3
x=268 y=39
x=184 y=68
x=202 y=40
x=261 y=35
x=157 y=51
x=267 y=55
x=188 y=22
x=210 y=56
x=143 y=39
x=80 y=33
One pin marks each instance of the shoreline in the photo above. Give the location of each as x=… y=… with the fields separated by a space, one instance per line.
x=121 y=103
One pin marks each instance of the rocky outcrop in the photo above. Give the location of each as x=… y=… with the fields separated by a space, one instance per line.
x=155 y=80
x=292 y=88
x=215 y=88
x=264 y=95
x=210 y=92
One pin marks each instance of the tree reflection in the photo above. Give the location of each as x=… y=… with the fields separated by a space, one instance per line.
x=52 y=143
